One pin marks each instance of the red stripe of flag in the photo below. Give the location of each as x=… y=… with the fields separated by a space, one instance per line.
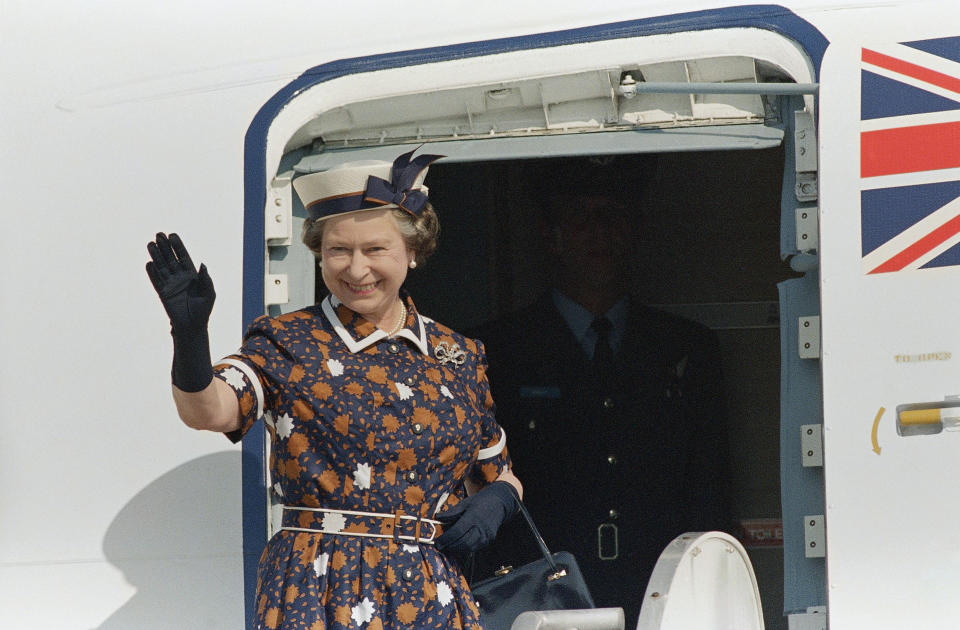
x=910 y=149
x=912 y=70
x=921 y=247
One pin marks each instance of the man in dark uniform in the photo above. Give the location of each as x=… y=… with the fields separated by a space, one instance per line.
x=613 y=410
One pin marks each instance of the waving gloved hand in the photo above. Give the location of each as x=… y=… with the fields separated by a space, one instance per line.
x=187 y=296
x=472 y=524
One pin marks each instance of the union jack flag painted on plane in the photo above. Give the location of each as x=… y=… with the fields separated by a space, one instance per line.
x=910 y=155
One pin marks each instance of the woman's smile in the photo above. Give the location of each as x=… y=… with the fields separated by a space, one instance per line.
x=362 y=289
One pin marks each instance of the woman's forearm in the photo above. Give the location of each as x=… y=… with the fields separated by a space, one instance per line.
x=214 y=408
x=511 y=478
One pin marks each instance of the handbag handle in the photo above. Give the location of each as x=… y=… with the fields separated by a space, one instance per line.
x=557 y=571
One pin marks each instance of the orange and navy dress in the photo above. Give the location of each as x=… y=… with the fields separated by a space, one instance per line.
x=371 y=438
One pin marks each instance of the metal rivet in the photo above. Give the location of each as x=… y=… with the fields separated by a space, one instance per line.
x=411 y=476
x=613 y=514
x=409 y=380
x=417 y=428
x=608 y=403
x=611 y=459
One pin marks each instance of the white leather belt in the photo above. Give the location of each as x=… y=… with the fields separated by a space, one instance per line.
x=398 y=526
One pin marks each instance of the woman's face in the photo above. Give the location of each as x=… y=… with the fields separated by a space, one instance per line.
x=364 y=262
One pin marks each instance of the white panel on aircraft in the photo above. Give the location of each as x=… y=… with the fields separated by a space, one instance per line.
x=890 y=263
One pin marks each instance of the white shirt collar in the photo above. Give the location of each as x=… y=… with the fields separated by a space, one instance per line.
x=354 y=345
x=579 y=319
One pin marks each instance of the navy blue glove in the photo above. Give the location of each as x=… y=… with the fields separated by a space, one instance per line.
x=187 y=296
x=472 y=524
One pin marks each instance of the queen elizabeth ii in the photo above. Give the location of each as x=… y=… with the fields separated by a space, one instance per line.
x=385 y=451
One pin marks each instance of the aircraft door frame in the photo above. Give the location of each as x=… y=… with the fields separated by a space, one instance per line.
x=265 y=166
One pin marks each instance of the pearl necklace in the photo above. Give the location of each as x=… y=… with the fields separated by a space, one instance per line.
x=400 y=321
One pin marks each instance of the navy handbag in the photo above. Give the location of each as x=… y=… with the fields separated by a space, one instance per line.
x=553 y=582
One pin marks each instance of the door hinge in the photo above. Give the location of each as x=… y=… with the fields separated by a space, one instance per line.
x=278 y=212
x=811 y=443
x=276 y=289
x=814 y=619
x=814 y=536
x=808 y=231
x=805 y=154
x=808 y=337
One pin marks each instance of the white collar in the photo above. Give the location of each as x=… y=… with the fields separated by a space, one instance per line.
x=329 y=306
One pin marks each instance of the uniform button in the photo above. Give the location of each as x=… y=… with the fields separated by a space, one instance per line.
x=611 y=459
x=411 y=476
x=613 y=514
x=393 y=347
x=410 y=381
x=417 y=428
x=608 y=403
x=407 y=575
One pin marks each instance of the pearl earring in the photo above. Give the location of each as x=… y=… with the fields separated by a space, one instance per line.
x=413 y=264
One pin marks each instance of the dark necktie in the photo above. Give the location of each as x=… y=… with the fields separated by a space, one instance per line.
x=602 y=351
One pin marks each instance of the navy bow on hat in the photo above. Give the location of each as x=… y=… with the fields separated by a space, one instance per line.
x=379 y=192
x=398 y=191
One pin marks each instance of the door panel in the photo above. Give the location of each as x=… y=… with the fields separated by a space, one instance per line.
x=890 y=228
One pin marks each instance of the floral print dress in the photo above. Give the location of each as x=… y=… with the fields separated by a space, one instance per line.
x=363 y=423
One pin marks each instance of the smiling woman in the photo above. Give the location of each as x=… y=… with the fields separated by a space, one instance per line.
x=384 y=449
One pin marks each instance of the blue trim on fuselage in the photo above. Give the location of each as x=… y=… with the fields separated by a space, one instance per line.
x=254 y=442
x=767 y=17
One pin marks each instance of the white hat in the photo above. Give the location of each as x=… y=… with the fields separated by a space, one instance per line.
x=365 y=184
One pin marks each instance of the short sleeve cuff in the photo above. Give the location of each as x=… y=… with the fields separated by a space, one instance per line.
x=243 y=380
x=492 y=461
x=496 y=449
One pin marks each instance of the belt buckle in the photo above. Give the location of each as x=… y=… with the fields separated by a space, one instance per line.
x=396 y=525
x=608 y=530
x=419 y=521
x=417 y=536
x=433 y=534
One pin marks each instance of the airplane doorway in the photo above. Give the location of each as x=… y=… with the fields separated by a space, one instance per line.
x=709 y=250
